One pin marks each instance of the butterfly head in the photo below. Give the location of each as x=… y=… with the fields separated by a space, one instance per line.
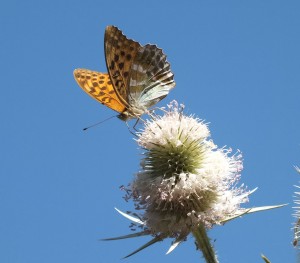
x=131 y=113
x=125 y=116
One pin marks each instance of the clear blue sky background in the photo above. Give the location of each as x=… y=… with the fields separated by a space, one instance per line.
x=236 y=65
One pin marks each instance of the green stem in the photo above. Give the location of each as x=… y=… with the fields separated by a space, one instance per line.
x=203 y=243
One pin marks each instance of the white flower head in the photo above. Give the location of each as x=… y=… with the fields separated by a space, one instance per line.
x=185 y=179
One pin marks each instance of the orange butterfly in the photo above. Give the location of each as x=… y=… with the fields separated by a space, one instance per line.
x=138 y=76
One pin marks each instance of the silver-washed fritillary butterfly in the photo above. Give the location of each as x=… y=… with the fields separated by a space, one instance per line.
x=138 y=76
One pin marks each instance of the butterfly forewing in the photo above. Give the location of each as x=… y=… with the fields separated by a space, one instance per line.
x=120 y=53
x=99 y=87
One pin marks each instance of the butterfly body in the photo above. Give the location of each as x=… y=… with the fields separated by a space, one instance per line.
x=138 y=76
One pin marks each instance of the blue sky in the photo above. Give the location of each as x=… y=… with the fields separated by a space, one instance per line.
x=236 y=65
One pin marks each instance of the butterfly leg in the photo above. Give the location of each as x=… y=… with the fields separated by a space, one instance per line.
x=137 y=121
x=133 y=133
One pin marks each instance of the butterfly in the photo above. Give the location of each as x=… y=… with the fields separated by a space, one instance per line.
x=138 y=76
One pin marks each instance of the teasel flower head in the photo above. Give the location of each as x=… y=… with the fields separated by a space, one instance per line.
x=186 y=184
x=185 y=179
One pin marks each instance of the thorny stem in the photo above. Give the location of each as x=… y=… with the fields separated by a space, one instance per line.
x=203 y=243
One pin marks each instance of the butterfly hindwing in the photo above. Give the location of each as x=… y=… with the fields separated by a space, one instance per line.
x=99 y=87
x=150 y=76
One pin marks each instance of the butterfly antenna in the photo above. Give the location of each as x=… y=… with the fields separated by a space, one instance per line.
x=99 y=122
